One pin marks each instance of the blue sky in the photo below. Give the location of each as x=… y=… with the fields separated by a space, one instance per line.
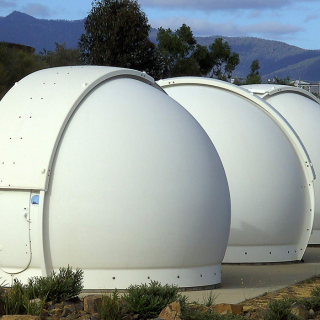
x=296 y=22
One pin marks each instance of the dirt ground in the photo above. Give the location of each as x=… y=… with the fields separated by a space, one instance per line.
x=299 y=290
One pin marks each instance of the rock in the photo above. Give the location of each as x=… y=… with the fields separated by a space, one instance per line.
x=225 y=308
x=53 y=318
x=300 y=311
x=66 y=312
x=199 y=307
x=85 y=317
x=247 y=309
x=72 y=316
x=20 y=317
x=95 y=316
x=71 y=307
x=55 y=312
x=92 y=304
x=59 y=305
x=78 y=307
x=44 y=313
x=171 y=312
x=36 y=301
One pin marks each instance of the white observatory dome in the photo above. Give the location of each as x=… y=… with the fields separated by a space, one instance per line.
x=269 y=173
x=302 y=110
x=103 y=171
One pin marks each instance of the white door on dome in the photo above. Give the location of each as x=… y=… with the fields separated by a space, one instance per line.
x=15 y=247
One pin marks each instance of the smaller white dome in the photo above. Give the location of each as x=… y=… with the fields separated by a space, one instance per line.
x=268 y=170
x=302 y=110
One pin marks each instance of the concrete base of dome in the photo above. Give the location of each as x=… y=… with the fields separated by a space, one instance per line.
x=263 y=254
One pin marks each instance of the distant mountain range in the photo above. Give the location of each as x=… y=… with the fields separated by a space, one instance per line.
x=276 y=58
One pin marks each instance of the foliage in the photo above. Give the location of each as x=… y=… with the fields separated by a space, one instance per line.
x=224 y=61
x=13 y=299
x=182 y=55
x=254 y=76
x=280 y=310
x=313 y=302
x=199 y=314
x=110 y=308
x=57 y=287
x=117 y=35
x=285 y=81
x=315 y=292
x=149 y=300
x=61 y=56
x=239 y=81
x=19 y=299
x=15 y=64
x=209 y=299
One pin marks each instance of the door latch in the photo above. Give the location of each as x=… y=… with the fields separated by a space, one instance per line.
x=25 y=214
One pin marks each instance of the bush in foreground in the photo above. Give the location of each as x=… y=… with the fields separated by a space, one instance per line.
x=149 y=300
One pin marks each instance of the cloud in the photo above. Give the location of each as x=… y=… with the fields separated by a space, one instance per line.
x=7 y=4
x=37 y=10
x=206 y=28
x=272 y=28
x=311 y=17
x=212 y=5
x=255 y=14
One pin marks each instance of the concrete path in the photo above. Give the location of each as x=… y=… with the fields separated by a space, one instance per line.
x=241 y=282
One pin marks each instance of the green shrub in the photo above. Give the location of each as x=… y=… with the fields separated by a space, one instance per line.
x=149 y=300
x=197 y=314
x=13 y=299
x=280 y=310
x=313 y=302
x=57 y=287
x=315 y=292
x=19 y=299
x=209 y=299
x=110 y=308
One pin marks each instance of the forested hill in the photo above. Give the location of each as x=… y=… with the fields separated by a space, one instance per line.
x=21 y=28
x=276 y=58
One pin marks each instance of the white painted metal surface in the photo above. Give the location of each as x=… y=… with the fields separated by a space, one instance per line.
x=15 y=250
x=302 y=111
x=268 y=170
x=135 y=188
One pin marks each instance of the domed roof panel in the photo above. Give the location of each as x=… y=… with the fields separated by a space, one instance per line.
x=268 y=170
x=33 y=115
x=302 y=110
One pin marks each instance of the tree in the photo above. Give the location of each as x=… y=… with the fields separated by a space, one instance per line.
x=181 y=53
x=224 y=61
x=254 y=75
x=117 y=35
x=15 y=64
x=61 y=56
x=284 y=81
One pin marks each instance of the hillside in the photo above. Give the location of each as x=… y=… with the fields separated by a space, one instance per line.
x=276 y=58
x=21 y=28
x=273 y=56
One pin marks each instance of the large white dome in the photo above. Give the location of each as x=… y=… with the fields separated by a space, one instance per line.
x=302 y=110
x=101 y=170
x=268 y=170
